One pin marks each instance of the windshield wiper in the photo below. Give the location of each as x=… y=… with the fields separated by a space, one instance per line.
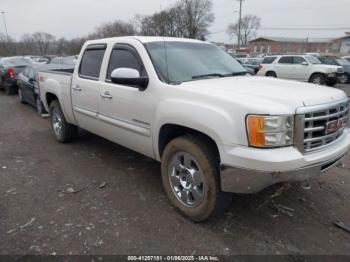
x=208 y=75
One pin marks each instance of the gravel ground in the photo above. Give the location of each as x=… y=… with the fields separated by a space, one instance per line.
x=95 y=197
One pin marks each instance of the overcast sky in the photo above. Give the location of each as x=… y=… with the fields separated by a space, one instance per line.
x=71 y=18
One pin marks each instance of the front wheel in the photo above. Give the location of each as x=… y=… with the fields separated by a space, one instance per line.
x=190 y=174
x=63 y=131
x=318 y=79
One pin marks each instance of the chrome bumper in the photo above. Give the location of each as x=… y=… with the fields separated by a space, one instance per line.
x=245 y=181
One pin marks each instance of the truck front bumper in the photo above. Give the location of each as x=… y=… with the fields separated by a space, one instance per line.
x=256 y=169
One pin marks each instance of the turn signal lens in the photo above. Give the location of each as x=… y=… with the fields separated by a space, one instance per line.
x=256 y=131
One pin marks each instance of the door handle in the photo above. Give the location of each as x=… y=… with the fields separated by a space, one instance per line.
x=106 y=95
x=77 y=88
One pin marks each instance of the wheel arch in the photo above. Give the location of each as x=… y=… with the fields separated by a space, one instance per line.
x=168 y=132
x=317 y=73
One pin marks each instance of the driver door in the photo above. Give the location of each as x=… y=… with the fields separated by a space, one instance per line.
x=126 y=111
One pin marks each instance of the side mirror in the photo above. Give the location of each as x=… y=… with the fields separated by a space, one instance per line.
x=305 y=63
x=31 y=80
x=130 y=77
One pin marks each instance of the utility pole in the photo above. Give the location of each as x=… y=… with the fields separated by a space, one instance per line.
x=240 y=23
x=3 y=17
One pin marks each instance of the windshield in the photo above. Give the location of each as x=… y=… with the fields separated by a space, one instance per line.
x=313 y=60
x=178 y=62
x=343 y=62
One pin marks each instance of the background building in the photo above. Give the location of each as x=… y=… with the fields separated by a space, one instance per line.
x=283 y=45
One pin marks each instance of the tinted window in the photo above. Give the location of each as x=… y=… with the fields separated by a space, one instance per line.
x=269 y=60
x=122 y=58
x=299 y=60
x=91 y=63
x=286 y=60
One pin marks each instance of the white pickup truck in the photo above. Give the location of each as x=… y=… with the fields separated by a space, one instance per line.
x=191 y=106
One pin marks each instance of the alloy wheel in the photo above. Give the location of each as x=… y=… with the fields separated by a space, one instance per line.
x=186 y=179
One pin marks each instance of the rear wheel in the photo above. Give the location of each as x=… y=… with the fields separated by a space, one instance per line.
x=190 y=174
x=318 y=79
x=271 y=74
x=63 y=131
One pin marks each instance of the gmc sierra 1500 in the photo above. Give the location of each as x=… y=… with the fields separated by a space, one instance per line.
x=193 y=107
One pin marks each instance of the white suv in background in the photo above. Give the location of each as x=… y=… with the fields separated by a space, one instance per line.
x=300 y=67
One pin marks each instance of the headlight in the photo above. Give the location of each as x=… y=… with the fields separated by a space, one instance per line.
x=270 y=131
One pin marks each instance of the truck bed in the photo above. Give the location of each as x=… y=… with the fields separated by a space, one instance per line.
x=57 y=82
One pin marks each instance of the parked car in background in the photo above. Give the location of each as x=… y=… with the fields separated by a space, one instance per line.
x=249 y=69
x=10 y=68
x=301 y=68
x=64 y=60
x=214 y=129
x=40 y=60
x=347 y=58
x=253 y=63
x=334 y=60
x=28 y=85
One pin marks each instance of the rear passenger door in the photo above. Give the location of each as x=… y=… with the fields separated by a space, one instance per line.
x=86 y=87
x=284 y=67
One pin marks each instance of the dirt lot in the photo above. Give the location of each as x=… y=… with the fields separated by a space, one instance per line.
x=51 y=202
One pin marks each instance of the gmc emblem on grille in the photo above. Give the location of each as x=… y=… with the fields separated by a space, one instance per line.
x=333 y=126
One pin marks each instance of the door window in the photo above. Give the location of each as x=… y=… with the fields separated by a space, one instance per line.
x=91 y=63
x=286 y=60
x=298 y=60
x=125 y=58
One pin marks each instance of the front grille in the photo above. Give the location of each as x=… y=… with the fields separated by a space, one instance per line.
x=322 y=125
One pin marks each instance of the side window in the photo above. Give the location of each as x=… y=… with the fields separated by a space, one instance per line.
x=124 y=58
x=286 y=60
x=91 y=62
x=299 y=60
x=269 y=60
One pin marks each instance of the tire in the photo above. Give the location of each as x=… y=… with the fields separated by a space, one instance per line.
x=39 y=106
x=318 y=79
x=204 y=196
x=331 y=83
x=271 y=74
x=21 y=99
x=63 y=131
x=344 y=79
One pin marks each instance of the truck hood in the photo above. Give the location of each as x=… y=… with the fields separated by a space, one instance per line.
x=291 y=93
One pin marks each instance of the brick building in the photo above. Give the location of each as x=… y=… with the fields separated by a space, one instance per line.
x=282 y=45
x=342 y=44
